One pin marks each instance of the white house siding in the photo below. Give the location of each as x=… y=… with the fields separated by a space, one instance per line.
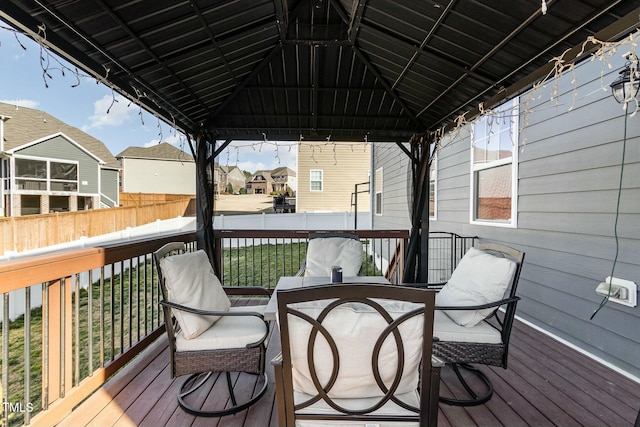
x=569 y=171
x=158 y=176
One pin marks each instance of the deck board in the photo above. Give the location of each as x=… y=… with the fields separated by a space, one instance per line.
x=546 y=384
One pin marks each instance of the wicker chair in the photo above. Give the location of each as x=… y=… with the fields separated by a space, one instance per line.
x=328 y=249
x=233 y=340
x=468 y=328
x=377 y=371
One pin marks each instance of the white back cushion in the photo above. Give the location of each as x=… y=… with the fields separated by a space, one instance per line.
x=190 y=281
x=325 y=252
x=479 y=278
x=355 y=329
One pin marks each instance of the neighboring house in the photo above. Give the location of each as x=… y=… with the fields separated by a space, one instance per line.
x=159 y=169
x=231 y=175
x=261 y=183
x=545 y=180
x=327 y=176
x=49 y=166
x=284 y=180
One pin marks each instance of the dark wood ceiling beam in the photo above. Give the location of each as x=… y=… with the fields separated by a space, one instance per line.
x=611 y=33
x=384 y=84
x=276 y=50
x=315 y=83
x=486 y=56
x=316 y=42
x=452 y=61
x=337 y=6
x=356 y=21
x=124 y=26
x=214 y=41
x=424 y=43
x=317 y=116
x=282 y=18
x=346 y=135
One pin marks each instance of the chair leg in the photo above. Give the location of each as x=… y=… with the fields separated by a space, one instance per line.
x=475 y=398
x=187 y=388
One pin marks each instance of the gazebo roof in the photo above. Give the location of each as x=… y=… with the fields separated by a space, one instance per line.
x=318 y=69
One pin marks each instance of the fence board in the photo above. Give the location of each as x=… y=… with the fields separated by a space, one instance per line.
x=23 y=233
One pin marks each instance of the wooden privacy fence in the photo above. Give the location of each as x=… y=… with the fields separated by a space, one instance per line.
x=141 y=199
x=18 y=234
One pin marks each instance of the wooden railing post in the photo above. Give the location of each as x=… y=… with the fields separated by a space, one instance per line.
x=57 y=331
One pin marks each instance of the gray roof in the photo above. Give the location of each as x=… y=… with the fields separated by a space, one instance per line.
x=345 y=70
x=164 y=151
x=27 y=125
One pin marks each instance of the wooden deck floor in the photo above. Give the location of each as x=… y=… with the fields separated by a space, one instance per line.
x=546 y=384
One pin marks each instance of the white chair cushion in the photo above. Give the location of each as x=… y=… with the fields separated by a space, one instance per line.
x=228 y=332
x=190 y=281
x=479 y=278
x=355 y=328
x=389 y=408
x=325 y=252
x=446 y=329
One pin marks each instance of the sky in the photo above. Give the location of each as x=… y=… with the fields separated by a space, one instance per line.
x=90 y=106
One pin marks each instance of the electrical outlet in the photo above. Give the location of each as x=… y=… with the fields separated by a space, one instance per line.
x=621 y=291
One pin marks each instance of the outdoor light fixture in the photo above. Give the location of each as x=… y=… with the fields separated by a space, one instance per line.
x=625 y=88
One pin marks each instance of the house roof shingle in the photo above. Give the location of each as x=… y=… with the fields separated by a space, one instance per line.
x=26 y=125
x=164 y=151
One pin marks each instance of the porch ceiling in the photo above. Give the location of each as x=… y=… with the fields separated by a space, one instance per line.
x=339 y=69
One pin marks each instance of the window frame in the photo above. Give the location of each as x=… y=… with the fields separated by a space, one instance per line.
x=378 y=191
x=433 y=173
x=475 y=169
x=48 y=180
x=311 y=180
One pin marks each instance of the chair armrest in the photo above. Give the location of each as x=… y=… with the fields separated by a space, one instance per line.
x=302 y=268
x=210 y=313
x=494 y=304
x=277 y=360
x=247 y=290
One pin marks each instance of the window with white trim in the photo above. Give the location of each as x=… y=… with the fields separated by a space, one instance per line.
x=315 y=180
x=43 y=175
x=494 y=161
x=378 y=191
x=433 y=186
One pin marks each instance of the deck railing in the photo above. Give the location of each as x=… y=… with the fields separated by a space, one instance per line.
x=71 y=319
x=83 y=314
x=250 y=257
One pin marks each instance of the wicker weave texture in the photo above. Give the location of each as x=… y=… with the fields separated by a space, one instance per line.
x=250 y=360
x=464 y=352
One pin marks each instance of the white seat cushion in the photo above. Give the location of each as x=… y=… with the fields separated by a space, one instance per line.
x=190 y=281
x=445 y=329
x=228 y=332
x=479 y=278
x=355 y=328
x=326 y=252
x=389 y=408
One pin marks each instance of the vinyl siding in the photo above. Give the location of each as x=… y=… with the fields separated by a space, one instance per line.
x=395 y=192
x=59 y=147
x=109 y=187
x=570 y=152
x=343 y=166
x=158 y=176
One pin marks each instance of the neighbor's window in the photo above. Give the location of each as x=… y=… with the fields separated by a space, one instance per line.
x=378 y=185
x=433 y=174
x=64 y=176
x=494 y=157
x=315 y=180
